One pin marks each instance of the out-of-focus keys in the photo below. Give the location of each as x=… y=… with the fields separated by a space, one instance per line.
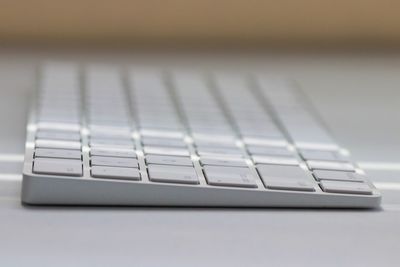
x=44 y=143
x=114 y=162
x=58 y=126
x=266 y=150
x=161 y=133
x=322 y=155
x=346 y=187
x=49 y=166
x=172 y=174
x=165 y=151
x=58 y=135
x=223 y=161
x=285 y=178
x=57 y=153
x=124 y=143
x=168 y=142
x=330 y=165
x=113 y=152
x=338 y=175
x=229 y=176
x=265 y=141
x=207 y=151
x=261 y=159
x=115 y=173
x=169 y=160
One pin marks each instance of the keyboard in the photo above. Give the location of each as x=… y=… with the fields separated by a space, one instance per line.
x=110 y=135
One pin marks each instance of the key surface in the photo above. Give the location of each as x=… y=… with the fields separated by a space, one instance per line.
x=114 y=162
x=45 y=143
x=265 y=141
x=330 y=165
x=264 y=159
x=169 y=160
x=161 y=133
x=209 y=151
x=165 y=151
x=346 y=187
x=69 y=167
x=113 y=152
x=338 y=175
x=115 y=173
x=223 y=161
x=58 y=135
x=116 y=142
x=153 y=141
x=273 y=151
x=57 y=153
x=172 y=174
x=322 y=155
x=229 y=176
x=285 y=178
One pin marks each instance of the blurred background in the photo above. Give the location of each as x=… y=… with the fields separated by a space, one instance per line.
x=200 y=23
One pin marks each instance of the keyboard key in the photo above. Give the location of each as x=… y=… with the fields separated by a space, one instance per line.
x=261 y=159
x=346 y=187
x=114 y=162
x=229 y=176
x=273 y=151
x=58 y=135
x=124 y=143
x=45 y=143
x=223 y=161
x=265 y=141
x=172 y=174
x=51 y=166
x=285 y=178
x=113 y=152
x=169 y=160
x=115 y=173
x=57 y=153
x=322 y=155
x=73 y=127
x=209 y=151
x=338 y=175
x=330 y=165
x=153 y=141
x=166 y=151
x=161 y=133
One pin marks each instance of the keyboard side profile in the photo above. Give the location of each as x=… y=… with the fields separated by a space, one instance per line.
x=99 y=135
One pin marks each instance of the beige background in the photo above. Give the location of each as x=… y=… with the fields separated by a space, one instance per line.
x=202 y=21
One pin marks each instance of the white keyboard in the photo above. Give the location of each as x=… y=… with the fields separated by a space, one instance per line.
x=102 y=135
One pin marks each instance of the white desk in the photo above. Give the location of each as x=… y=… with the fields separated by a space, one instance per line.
x=357 y=96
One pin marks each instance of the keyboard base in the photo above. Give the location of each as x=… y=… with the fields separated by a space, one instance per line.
x=38 y=190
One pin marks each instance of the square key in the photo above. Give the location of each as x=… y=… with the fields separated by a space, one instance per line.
x=326 y=155
x=163 y=142
x=51 y=166
x=172 y=174
x=169 y=151
x=275 y=160
x=346 y=187
x=338 y=176
x=330 y=165
x=229 y=176
x=115 y=173
x=266 y=150
x=169 y=160
x=114 y=162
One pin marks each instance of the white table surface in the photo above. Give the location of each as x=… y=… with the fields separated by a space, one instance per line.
x=357 y=96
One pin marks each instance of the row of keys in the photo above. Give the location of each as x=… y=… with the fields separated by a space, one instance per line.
x=58 y=138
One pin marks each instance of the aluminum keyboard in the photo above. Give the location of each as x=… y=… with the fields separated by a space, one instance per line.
x=103 y=135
